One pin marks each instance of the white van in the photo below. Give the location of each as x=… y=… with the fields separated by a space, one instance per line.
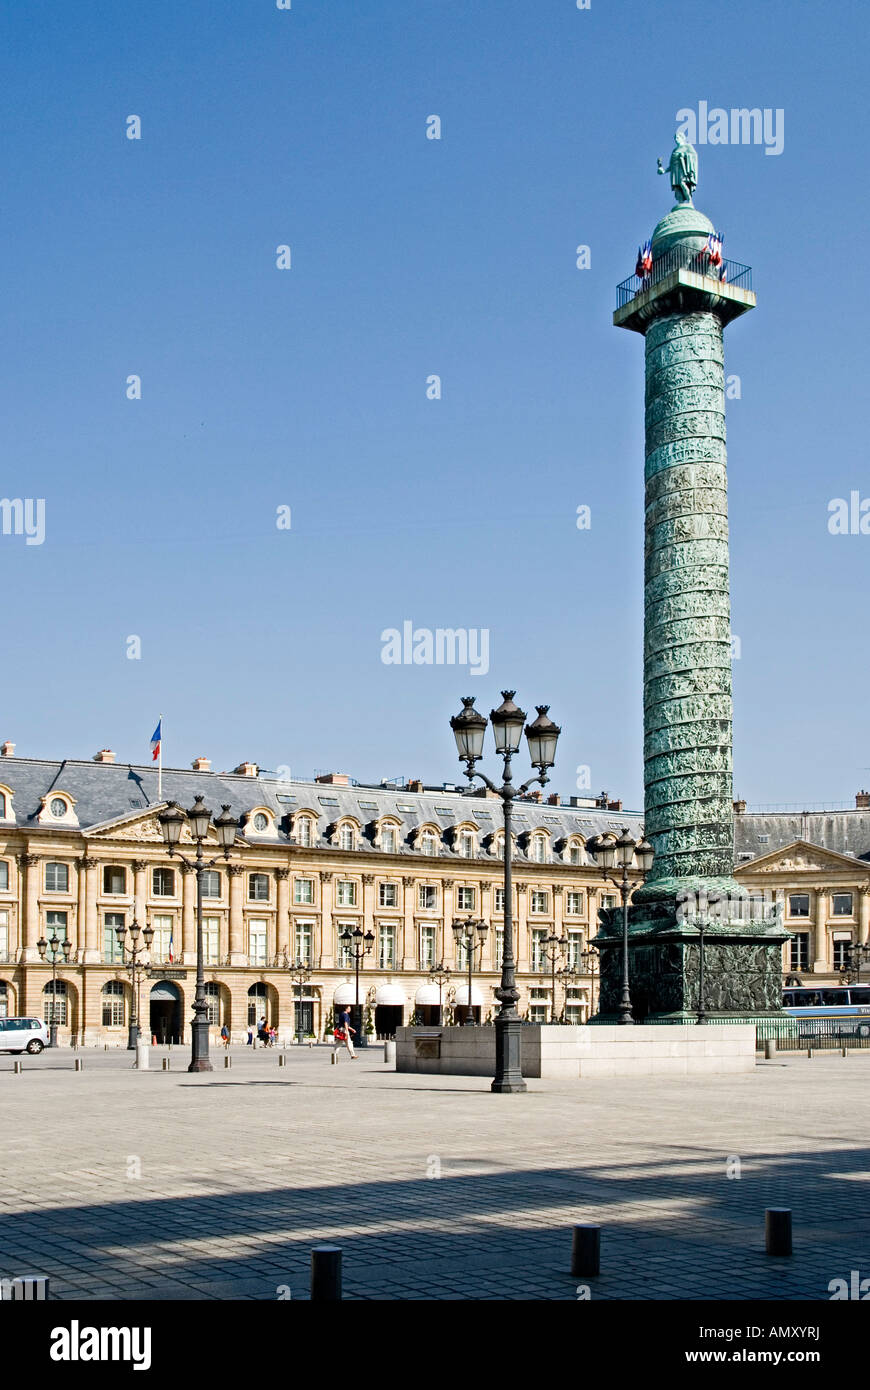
x=23 y=1035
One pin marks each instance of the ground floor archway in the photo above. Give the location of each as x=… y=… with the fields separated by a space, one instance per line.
x=165 y=1012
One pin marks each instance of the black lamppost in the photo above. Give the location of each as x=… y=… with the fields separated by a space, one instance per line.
x=588 y=961
x=300 y=974
x=469 y=728
x=358 y=945
x=553 y=946
x=859 y=954
x=65 y=946
x=610 y=853
x=440 y=975
x=134 y=965
x=470 y=933
x=172 y=821
x=568 y=977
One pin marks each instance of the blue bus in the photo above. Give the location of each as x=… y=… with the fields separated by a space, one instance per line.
x=832 y=1011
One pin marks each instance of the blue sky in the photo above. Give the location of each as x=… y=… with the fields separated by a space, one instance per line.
x=307 y=387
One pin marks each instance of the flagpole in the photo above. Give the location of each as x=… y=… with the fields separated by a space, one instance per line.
x=160 y=761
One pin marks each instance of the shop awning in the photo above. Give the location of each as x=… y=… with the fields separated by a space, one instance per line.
x=390 y=994
x=427 y=994
x=346 y=994
x=462 y=995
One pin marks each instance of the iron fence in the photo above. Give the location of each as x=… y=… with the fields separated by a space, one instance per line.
x=731 y=273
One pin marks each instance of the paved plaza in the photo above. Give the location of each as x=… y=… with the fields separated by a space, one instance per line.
x=126 y=1185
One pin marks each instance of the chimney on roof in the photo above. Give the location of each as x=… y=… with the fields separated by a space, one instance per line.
x=246 y=770
x=536 y=795
x=105 y=755
x=334 y=779
x=7 y=749
x=862 y=800
x=415 y=785
x=614 y=805
x=553 y=799
x=740 y=807
x=201 y=765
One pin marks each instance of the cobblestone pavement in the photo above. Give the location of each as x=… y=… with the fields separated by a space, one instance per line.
x=123 y=1185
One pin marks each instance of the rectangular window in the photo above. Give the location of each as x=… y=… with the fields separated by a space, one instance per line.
x=111 y=950
x=799 y=905
x=575 y=948
x=303 y=890
x=345 y=892
x=540 y=901
x=258 y=888
x=256 y=942
x=465 y=898
x=388 y=895
x=386 y=946
x=113 y=1004
x=211 y=884
x=343 y=948
x=427 y=948
x=841 y=905
x=427 y=896
x=4 y=876
x=842 y=948
x=114 y=879
x=539 y=958
x=499 y=947
x=800 y=951
x=608 y=900
x=163 y=883
x=57 y=878
x=499 y=900
x=4 y=934
x=164 y=943
x=213 y=1000
x=388 y=840
x=575 y=903
x=59 y=1010
x=305 y=942
x=55 y=925
x=211 y=940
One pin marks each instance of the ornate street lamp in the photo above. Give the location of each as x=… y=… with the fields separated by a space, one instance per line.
x=134 y=965
x=588 y=962
x=300 y=974
x=440 y=975
x=58 y=947
x=358 y=945
x=608 y=854
x=553 y=948
x=568 y=977
x=470 y=933
x=172 y=821
x=859 y=955
x=469 y=727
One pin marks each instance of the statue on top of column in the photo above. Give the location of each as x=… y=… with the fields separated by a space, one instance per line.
x=683 y=169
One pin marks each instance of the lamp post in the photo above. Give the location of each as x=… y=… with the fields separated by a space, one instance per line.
x=859 y=954
x=65 y=946
x=609 y=853
x=588 y=961
x=300 y=974
x=359 y=945
x=553 y=947
x=469 y=728
x=470 y=933
x=568 y=977
x=440 y=975
x=134 y=965
x=172 y=821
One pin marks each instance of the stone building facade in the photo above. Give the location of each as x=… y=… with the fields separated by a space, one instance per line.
x=81 y=853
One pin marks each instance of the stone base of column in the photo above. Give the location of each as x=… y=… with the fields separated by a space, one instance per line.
x=508 y=1057
x=742 y=964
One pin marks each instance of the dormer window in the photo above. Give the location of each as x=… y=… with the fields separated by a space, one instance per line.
x=346 y=837
x=428 y=842
x=388 y=839
x=58 y=807
x=2 y=806
x=303 y=832
x=539 y=849
x=261 y=821
x=467 y=844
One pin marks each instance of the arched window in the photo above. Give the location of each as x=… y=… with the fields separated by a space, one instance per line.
x=346 y=837
x=256 y=1003
x=539 y=849
x=261 y=822
x=575 y=854
x=388 y=839
x=4 y=999
x=303 y=831
x=113 y=1004
x=59 y=1000
x=467 y=844
x=213 y=999
x=428 y=843
x=2 y=806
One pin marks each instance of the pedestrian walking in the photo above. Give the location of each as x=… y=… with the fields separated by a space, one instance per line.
x=343 y=1033
x=225 y=1035
x=250 y=1042
x=263 y=1031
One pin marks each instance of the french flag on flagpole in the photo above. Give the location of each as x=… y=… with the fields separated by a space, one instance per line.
x=171 y=946
x=156 y=740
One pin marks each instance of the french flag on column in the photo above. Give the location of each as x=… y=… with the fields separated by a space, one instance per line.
x=171 y=946
x=156 y=738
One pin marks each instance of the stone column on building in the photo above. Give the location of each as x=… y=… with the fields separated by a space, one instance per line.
x=820 y=933
x=448 y=913
x=89 y=941
x=238 y=955
x=864 y=913
x=140 y=897
x=409 y=944
x=328 y=957
x=522 y=944
x=489 y=950
x=368 y=907
x=188 y=913
x=558 y=913
x=283 y=945
x=29 y=929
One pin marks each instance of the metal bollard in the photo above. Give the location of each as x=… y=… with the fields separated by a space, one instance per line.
x=586 y=1250
x=282 y=1060
x=333 y=1059
x=845 y=1051
x=228 y=1062
x=769 y=1048
x=166 y=1064
x=777 y=1230
x=18 y=1067
x=326 y=1273
x=809 y=1052
x=390 y=1052
x=80 y=1066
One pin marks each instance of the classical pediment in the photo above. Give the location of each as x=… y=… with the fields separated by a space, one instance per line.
x=800 y=856
x=140 y=828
